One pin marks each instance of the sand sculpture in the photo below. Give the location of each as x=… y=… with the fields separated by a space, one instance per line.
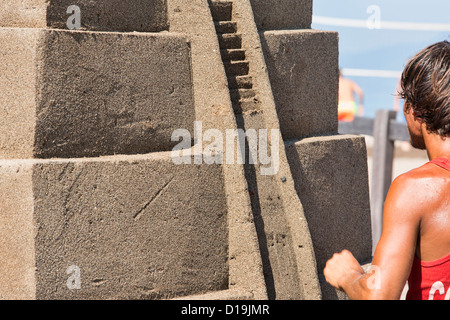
x=92 y=205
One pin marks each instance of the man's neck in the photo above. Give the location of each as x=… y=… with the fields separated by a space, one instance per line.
x=437 y=146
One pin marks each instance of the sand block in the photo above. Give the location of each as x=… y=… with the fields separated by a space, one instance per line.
x=99 y=15
x=128 y=227
x=334 y=191
x=282 y=14
x=304 y=75
x=82 y=94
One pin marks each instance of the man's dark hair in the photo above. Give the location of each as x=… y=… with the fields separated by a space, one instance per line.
x=426 y=87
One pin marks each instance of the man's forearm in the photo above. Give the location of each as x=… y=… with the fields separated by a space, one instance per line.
x=344 y=272
x=355 y=286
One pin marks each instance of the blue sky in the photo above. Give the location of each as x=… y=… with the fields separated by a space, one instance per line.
x=385 y=48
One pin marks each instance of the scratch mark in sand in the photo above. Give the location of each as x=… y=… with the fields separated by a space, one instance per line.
x=138 y=214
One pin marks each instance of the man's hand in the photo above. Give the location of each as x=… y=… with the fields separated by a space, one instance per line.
x=342 y=269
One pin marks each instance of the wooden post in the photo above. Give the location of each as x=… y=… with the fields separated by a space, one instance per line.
x=383 y=156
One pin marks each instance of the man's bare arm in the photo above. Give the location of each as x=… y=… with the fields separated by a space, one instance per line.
x=394 y=254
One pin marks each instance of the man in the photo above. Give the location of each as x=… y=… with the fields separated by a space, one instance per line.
x=348 y=107
x=415 y=242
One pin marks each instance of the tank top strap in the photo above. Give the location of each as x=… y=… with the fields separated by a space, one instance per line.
x=442 y=162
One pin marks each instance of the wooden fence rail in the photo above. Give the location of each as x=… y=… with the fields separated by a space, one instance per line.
x=385 y=131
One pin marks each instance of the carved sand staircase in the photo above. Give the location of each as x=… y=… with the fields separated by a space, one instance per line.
x=240 y=82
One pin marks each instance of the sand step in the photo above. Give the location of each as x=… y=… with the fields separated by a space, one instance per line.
x=240 y=82
x=236 y=68
x=241 y=94
x=232 y=54
x=225 y=26
x=230 y=41
x=246 y=106
x=221 y=10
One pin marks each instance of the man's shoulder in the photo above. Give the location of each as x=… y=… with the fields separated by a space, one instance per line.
x=415 y=185
x=424 y=174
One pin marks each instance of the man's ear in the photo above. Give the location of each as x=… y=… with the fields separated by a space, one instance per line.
x=418 y=116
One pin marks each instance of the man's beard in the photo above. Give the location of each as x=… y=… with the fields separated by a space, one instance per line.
x=416 y=141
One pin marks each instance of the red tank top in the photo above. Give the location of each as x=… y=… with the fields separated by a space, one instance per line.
x=430 y=280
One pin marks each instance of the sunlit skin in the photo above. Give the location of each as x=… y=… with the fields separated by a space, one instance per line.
x=416 y=222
